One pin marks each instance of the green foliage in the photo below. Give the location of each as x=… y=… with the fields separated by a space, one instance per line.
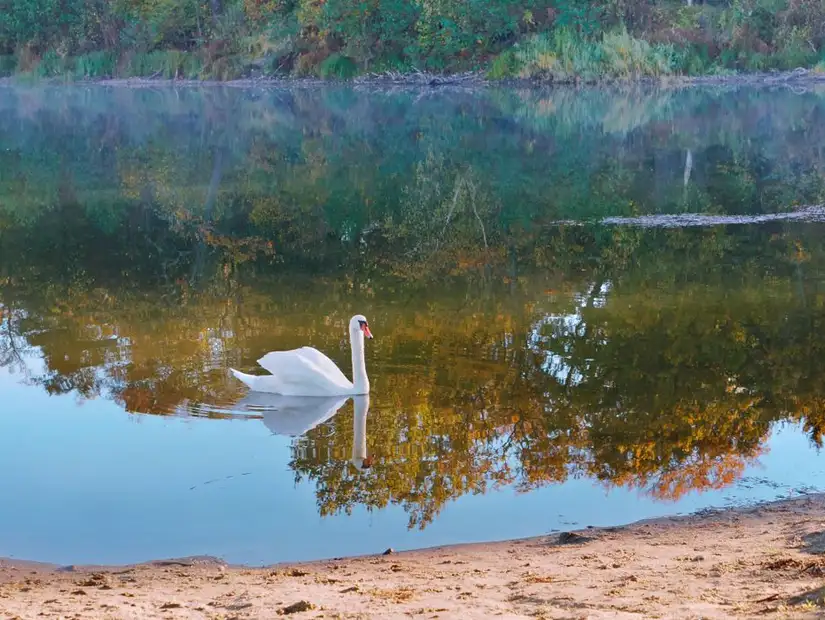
x=96 y=65
x=40 y=24
x=167 y=64
x=51 y=65
x=505 y=65
x=625 y=56
x=693 y=60
x=566 y=56
x=581 y=16
x=449 y=31
x=365 y=30
x=338 y=66
x=167 y=23
x=541 y=39
x=8 y=65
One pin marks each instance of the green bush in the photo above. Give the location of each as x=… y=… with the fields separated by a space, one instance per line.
x=51 y=65
x=369 y=31
x=171 y=23
x=96 y=65
x=8 y=64
x=451 y=33
x=338 y=66
x=550 y=39
x=693 y=60
x=505 y=65
x=580 y=16
x=169 y=64
x=41 y=24
x=624 y=56
x=566 y=56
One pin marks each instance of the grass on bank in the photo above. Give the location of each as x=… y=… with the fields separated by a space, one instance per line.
x=169 y=64
x=558 y=40
x=560 y=56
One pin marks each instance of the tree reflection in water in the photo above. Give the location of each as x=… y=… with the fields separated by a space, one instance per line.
x=139 y=260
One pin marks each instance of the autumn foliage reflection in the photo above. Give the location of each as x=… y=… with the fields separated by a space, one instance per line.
x=644 y=373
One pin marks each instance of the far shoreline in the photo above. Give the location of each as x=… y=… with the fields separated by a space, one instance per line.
x=765 y=560
x=798 y=77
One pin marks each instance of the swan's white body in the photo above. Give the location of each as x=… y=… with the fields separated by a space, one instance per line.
x=308 y=372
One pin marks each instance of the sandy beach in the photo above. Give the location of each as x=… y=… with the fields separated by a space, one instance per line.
x=757 y=562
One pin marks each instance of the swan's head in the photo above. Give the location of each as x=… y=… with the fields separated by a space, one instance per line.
x=358 y=323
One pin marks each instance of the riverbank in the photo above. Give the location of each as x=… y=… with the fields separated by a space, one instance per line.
x=799 y=78
x=764 y=561
x=554 y=39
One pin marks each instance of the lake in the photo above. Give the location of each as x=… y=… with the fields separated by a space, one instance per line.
x=589 y=307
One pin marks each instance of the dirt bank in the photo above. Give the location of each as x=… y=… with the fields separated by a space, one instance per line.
x=763 y=562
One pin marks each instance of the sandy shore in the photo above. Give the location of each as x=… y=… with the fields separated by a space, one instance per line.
x=750 y=563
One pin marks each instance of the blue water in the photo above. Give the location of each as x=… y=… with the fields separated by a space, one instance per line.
x=605 y=296
x=92 y=484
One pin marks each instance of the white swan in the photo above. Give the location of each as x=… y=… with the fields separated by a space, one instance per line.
x=308 y=372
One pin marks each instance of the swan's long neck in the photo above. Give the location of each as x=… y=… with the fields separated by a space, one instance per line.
x=360 y=382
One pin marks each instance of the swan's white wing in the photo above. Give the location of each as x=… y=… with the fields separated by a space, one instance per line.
x=322 y=361
x=305 y=371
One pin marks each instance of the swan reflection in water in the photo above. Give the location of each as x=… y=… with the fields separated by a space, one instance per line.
x=360 y=458
x=294 y=416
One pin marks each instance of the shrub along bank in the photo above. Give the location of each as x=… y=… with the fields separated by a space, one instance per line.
x=557 y=40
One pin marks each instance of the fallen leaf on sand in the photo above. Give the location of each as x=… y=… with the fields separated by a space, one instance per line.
x=571 y=538
x=297 y=608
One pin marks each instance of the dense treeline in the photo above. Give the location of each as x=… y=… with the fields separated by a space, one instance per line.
x=548 y=39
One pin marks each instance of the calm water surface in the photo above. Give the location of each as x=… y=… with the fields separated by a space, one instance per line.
x=546 y=357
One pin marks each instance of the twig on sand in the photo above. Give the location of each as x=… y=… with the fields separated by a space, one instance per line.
x=768 y=599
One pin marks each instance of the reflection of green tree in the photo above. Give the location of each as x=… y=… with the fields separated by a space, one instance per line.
x=509 y=350
x=320 y=156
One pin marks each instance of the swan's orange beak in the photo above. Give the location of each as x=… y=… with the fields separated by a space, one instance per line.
x=366 y=329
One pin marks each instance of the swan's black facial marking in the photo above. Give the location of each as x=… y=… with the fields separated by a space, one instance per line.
x=365 y=328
